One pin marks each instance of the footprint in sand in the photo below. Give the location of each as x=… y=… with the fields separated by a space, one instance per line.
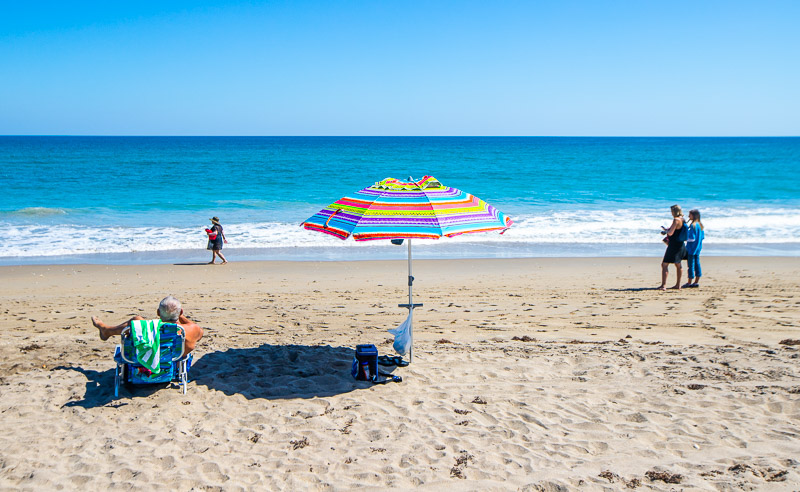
x=211 y=473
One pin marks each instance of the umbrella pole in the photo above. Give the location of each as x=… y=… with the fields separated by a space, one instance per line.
x=410 y=306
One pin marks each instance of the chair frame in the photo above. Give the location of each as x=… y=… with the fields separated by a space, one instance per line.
x=183 y=373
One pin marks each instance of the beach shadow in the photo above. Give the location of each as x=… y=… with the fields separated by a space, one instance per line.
x=100 y=389
x=191 y=264
x=270 y=372
x=633 y=289
x=278 y=371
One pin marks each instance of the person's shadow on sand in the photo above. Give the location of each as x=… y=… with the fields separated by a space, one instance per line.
x=633 y=289
x=278 y=371
x=100 y=388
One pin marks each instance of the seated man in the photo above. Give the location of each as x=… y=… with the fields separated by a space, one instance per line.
x=169 y=311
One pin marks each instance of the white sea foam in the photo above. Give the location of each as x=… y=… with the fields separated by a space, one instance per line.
x=624 y=226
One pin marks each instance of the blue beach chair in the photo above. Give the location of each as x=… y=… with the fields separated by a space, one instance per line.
x=174 y=366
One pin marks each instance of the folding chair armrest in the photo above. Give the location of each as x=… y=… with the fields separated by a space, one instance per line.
x=123 y=337
x=183 y=344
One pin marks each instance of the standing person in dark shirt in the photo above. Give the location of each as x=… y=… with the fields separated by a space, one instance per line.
x=676 y=247
x=215 y=239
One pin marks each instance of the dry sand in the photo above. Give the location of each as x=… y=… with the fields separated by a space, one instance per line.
x=612 y=384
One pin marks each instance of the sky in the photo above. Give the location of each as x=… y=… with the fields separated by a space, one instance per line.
x=563 y=68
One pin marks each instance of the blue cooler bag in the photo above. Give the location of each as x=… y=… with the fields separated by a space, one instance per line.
x=365 y=363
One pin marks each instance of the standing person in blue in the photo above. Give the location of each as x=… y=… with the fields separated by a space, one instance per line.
x=215 y=244
x=694 y=243
x=676 y=249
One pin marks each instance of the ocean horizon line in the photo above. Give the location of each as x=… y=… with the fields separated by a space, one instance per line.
x=87 y=135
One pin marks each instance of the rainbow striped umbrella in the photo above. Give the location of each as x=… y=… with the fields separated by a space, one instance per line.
x=397 y=210
x=392 y=209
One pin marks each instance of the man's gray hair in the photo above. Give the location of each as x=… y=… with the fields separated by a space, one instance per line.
x=169 y=309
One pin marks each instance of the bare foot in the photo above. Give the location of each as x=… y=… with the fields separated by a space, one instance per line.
x=226 y=261
x=210 y=263
x=675 y=287
x=662 y=288
x=101 y=327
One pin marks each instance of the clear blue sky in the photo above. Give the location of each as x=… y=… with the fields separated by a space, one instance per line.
x=400 y=68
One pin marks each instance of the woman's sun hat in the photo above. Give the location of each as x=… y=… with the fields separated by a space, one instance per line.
x=215 y=220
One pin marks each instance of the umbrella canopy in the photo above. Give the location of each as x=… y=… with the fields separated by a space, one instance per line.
x=393 y=209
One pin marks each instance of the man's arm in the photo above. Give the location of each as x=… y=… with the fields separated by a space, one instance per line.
x=194 y=333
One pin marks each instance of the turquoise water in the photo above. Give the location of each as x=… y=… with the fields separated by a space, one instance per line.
x=119 y=199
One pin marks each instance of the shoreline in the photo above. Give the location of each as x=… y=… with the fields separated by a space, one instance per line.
x=550 y=374
x=351 y=252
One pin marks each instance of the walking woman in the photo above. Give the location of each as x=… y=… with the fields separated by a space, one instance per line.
x=215 y=239
x=676 y=247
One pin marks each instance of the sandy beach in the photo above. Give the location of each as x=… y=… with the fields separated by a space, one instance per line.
x=529 y=374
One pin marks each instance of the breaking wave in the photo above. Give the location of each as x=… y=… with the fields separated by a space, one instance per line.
x=724 y=226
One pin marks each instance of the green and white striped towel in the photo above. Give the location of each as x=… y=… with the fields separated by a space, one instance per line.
x=146 y=338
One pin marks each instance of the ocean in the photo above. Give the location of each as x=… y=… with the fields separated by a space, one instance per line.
x=148 y=199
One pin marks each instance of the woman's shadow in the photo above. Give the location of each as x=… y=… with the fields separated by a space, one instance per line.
x=268 y=371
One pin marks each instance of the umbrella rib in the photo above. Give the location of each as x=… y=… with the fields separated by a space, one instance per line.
x=329 y=218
